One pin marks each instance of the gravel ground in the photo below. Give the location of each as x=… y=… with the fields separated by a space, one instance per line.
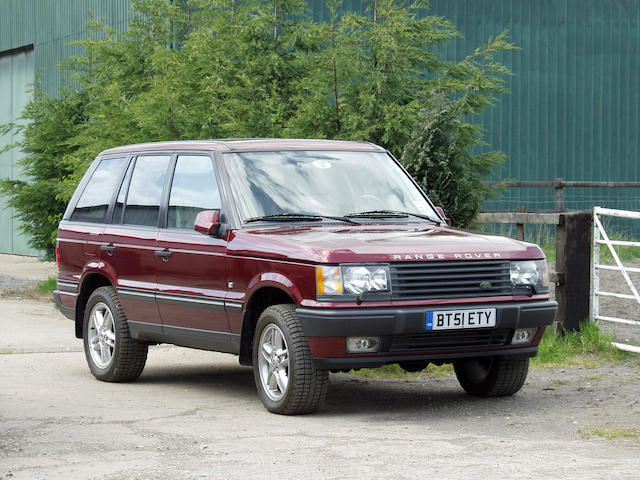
x=196 y=414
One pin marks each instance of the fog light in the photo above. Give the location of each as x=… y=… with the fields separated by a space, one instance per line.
x=523 y=335
x=363 y=344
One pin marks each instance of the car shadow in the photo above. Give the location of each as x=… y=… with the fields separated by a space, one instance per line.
x=348 y=394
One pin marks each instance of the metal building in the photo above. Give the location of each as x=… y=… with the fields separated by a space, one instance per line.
x=574 y=111
x=35 y=37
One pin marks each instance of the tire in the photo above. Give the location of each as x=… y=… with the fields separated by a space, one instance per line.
x=492 y=376
x=287 y=380
x=112 y=355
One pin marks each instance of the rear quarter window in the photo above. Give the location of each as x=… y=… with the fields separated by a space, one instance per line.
x=96 y=197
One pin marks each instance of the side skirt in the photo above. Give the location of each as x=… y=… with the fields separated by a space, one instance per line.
x=186 y=337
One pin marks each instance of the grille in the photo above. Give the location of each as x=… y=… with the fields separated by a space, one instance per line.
x=458 y=340
x=422 y=280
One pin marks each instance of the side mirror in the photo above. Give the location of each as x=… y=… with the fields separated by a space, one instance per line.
x=440 y=211
x=207 y=222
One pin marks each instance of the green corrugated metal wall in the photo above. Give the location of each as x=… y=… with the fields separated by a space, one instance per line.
x=50 y=25
x=574 y=111
x=40 y=30
x=16 y=73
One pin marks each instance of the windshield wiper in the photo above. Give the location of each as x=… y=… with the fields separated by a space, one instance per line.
x=391 y=214
x=284 y=217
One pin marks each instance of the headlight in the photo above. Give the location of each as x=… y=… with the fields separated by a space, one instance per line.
x=352 y=279
x=530 y=273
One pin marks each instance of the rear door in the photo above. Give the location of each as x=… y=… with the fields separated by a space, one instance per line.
x=192 y=271
x=129 y=243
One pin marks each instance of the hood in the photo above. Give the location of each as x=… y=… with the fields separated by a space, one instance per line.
x=376 y=243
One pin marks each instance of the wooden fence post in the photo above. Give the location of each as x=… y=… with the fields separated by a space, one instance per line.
x=559 y=185
x=573 y=261
x=520 y=227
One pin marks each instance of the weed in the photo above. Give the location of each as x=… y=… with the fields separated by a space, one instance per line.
x=47 y=286
x=611 y=434
x=628 y=381
x=588 y=347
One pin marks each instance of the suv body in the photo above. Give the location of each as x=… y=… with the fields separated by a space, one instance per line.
x=301 y=257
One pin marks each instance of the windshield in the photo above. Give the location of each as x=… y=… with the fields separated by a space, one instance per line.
x=321 y=183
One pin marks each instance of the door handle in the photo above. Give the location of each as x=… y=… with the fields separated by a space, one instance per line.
x=108 y=248
x=163 y=253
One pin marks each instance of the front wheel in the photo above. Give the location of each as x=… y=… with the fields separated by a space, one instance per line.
x=492 y=376
x=285 y=375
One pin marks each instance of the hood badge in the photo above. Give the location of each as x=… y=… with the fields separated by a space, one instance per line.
x=444 y=256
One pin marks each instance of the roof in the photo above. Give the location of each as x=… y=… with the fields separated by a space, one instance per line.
x=248 y=145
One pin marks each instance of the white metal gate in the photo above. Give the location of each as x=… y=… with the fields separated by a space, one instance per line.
x=600 y=237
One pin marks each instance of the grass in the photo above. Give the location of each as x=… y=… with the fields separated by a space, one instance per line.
x=395 y=371
x=626 y=254
x=47 y=286
x=611 y=434
x=588 y=347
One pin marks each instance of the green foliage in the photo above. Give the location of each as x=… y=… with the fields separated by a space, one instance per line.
x=370 y=73
x=441 y=152
x=589 y=346
x=260 y=68
x=48 y=286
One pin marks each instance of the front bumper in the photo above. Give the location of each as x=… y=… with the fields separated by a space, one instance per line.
x=404 y=338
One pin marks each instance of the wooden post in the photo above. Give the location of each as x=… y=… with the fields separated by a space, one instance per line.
x=559 y=195
x=573 y=262
x=520 y=231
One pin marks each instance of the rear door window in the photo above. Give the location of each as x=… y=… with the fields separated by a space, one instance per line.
x=194 y=189
x=96 y=197
x=145 y=190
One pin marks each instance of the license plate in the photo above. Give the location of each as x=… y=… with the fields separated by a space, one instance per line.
x=457 y=319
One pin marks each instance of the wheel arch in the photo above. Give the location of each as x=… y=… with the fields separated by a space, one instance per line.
x=90 y=282
x=260 y=299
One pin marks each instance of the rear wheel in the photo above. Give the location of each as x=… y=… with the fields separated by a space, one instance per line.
x=112 y=355
x=283 y=368
x=492 y=376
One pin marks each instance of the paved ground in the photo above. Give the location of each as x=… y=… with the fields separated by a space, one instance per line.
x=195 y=414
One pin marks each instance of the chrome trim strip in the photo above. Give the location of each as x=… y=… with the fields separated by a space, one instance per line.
x=189 y=298
x=67 y=286
x=233 y=306
x=130 y=292
x=181 y=299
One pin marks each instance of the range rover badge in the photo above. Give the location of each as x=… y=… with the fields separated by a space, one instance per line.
x=485 y=285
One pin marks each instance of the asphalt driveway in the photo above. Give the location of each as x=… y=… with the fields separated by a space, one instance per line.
x=195 y=414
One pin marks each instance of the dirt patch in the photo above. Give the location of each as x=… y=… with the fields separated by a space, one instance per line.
x=29 y=269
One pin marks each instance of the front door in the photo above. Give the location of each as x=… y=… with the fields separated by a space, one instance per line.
x=191 y=268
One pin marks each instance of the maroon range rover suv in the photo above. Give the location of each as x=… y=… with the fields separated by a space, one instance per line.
x=300 y=256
